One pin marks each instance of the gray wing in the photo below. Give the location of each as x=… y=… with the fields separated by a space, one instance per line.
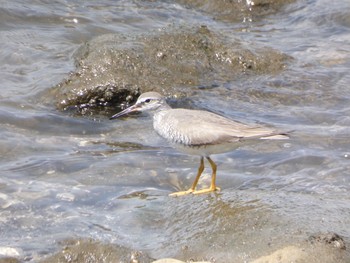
x=194 y=127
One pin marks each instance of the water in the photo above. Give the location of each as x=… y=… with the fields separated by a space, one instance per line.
x=64 y=176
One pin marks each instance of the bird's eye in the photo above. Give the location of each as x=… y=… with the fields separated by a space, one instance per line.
x=148 y=100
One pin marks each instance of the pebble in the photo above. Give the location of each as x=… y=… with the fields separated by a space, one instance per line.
x=9 y=252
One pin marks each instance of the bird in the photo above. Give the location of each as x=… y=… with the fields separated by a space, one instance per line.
x=199 y=132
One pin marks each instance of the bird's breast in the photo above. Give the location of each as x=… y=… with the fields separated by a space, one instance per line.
x=166 y=126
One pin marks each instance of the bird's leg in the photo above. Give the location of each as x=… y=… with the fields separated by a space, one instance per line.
x=193 y=187
x=199 y=173
x=212 y=187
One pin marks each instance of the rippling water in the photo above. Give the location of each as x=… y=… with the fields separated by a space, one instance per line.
x=65 y=176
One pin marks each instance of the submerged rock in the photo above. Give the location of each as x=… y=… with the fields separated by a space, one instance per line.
x=91 y=251
x=116 y=68
x=236 y=11
x=87 y=250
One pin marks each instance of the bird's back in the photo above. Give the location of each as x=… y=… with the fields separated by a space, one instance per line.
x=198 y=128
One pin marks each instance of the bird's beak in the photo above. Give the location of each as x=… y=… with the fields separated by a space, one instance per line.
x=134 y=108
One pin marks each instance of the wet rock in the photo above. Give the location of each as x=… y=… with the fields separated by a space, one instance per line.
x=325 y=246
x=92 y=251
x=115 y=69
x=236 y=11
x=284 y=255
x=331 y=239
x=9 y=252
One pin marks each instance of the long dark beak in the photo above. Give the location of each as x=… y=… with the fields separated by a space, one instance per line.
x=134 y=108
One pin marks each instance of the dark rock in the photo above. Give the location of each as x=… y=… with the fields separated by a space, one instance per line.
x=332 y=239
x=115 y=69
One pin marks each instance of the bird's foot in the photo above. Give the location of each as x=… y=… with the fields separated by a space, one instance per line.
x=195 y=192
x=175 y=194
x=206 y=190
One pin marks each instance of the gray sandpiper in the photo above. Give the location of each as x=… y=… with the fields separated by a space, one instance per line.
x=198 y=132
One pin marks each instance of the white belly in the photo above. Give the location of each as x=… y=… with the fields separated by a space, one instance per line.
x=206 y=150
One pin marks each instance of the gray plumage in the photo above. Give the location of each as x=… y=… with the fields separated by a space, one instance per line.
x=198 y=132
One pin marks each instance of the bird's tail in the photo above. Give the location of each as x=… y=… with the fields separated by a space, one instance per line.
x=276 y=137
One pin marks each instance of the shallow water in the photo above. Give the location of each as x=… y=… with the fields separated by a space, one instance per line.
x=65 y=177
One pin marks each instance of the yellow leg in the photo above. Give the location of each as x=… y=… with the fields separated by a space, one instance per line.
x=193 y=187
x=212 y=187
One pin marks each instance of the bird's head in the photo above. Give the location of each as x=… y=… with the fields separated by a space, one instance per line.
x=149 y=101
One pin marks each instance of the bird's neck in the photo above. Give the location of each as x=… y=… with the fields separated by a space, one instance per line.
x=162 y=108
